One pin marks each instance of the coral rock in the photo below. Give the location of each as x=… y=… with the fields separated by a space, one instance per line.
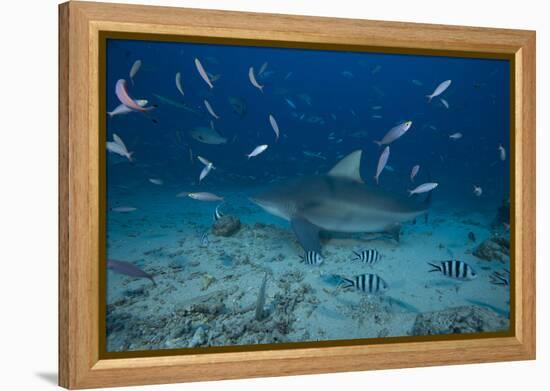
x=226 y=226
x=495 y=248
x=459 y=320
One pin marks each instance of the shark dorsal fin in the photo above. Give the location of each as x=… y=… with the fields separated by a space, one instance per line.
x=348 y=167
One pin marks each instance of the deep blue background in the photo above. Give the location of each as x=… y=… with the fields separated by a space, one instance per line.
x=479 y=109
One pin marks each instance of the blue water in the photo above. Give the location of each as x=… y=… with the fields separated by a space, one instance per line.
x=344 y=101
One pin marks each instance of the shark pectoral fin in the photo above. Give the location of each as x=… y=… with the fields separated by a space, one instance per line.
x=395 y=231
x=307 y=234
x=348 y=167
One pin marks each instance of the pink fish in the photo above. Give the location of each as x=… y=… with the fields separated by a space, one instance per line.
x=128 y=269
x=121 y=92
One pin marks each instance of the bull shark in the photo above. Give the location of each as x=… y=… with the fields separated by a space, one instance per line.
x=337 y=202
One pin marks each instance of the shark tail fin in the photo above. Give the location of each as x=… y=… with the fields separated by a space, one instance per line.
x=436 y=268
x=346 y=283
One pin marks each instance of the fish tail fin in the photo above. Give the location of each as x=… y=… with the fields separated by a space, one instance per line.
x=357 y=254
x=346 y=283
x=130 y=156
x=436 y=268
x=411 y=192
x=379 y=143
x=153 y=281
x=110 y=114
x=430 y=97
x=376 y=179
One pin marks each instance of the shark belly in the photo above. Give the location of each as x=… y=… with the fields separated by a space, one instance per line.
x=342 y=217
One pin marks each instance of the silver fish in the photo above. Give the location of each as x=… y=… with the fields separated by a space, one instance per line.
x=455 y=136
x=274 y=126
x=439 y=90
x=414 y=172
x=259 y=149
x=210 y=109
x=207 y=167
x=262 y=68
x=123 y=109
x=502 y=152
x=134 y=70
x=204 y=196
x=253 y=80
x=423 y=188
x=155 y=181
x=178 y=83
x=202 y=73
x=117 y=146
x=382 y=161
x=394 y=133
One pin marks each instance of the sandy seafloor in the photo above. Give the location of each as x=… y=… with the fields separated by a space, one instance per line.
x=206 y=296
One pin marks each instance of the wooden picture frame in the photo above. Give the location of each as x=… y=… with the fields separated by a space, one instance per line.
x=80 y=26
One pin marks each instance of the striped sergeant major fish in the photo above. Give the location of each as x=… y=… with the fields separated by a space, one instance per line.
x=501 y=278
x=312 y=258
x=217 y=214
x=455 y=269
x=204 y=239
x=367 y=283
x=370 y=256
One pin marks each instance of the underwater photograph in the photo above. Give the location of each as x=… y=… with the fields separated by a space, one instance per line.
x=261 y=195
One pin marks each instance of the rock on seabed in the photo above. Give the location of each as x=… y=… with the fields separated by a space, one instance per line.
x=226 y=226
x=459 y=320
